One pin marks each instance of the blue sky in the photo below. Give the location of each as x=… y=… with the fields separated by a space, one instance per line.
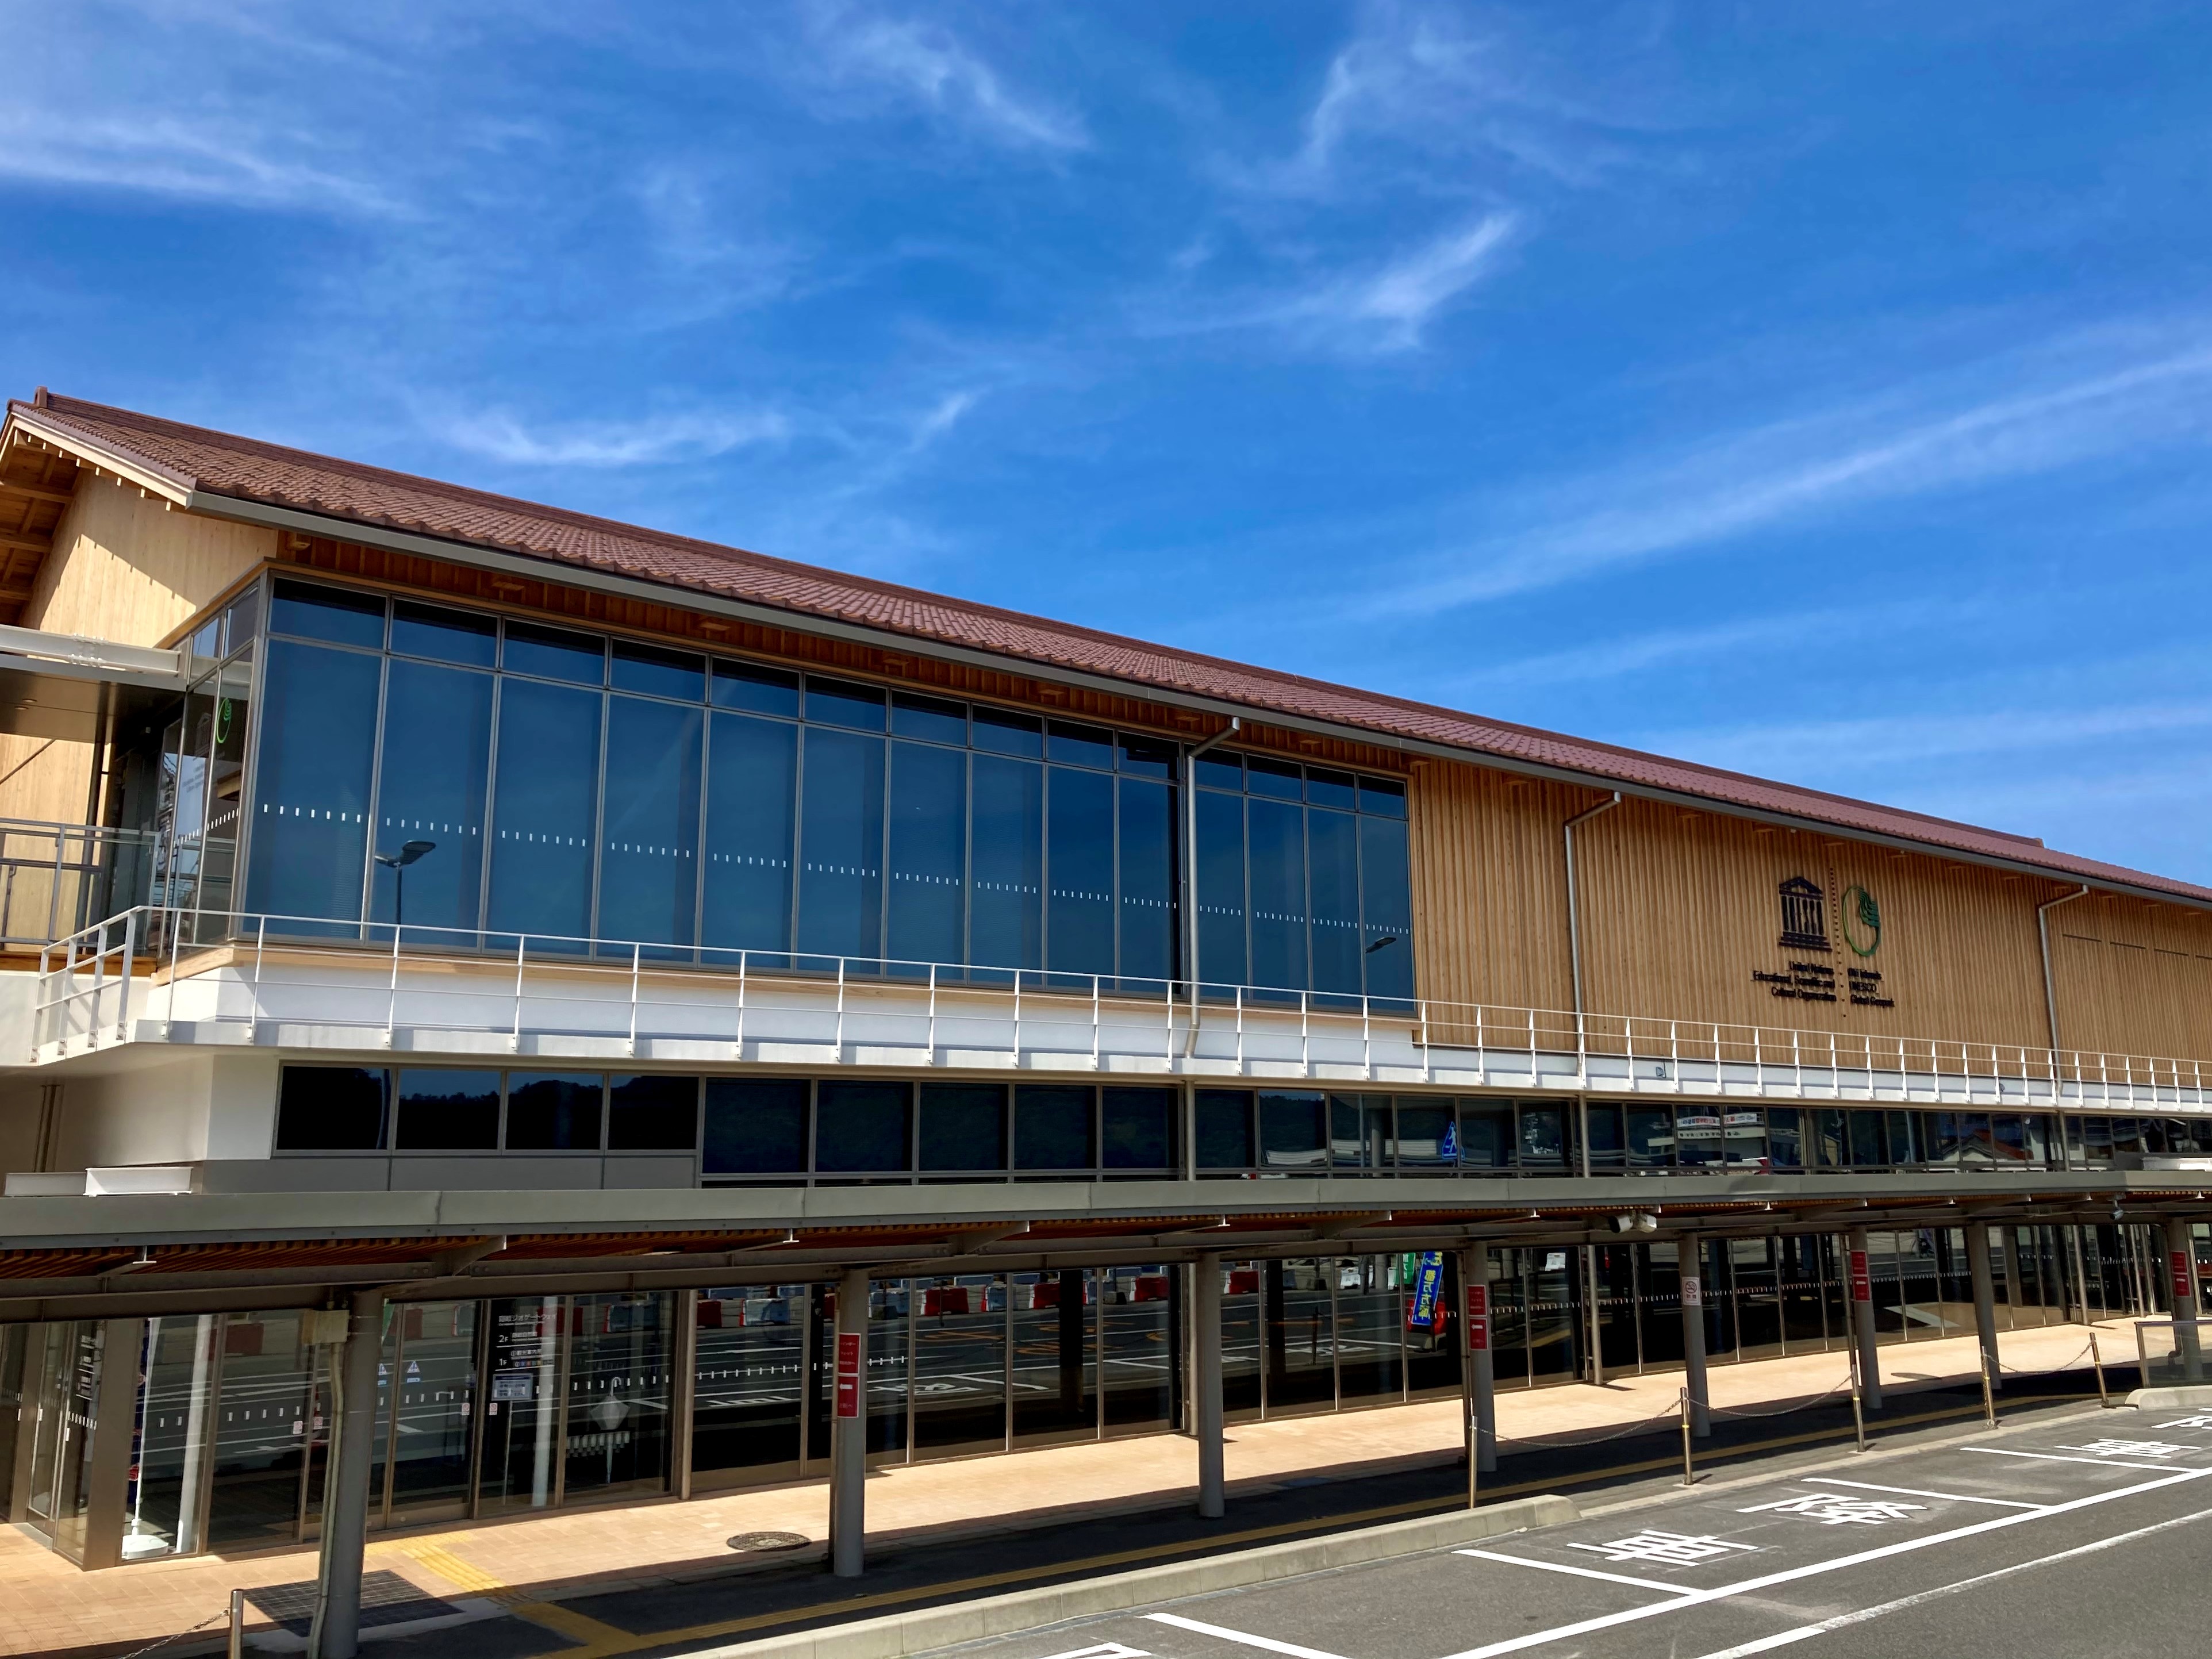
x=1822 y=393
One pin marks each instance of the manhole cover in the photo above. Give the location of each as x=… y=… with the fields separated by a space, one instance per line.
x=768 y=1541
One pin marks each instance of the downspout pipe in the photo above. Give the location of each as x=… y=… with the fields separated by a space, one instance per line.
x=2050 y=985
x=2058 y=1091
x=1190 y=757
x=1574 y=918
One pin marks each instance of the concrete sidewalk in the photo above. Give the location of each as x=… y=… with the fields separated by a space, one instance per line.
x=532 y=1565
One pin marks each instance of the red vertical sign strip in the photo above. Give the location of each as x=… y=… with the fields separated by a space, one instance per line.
x=849 y=1374
x=1478 y=1318
x=2185 y=1285
x=1862 y=1284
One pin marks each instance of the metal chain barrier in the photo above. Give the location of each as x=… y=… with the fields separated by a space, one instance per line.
x=154 y=1647
x=1842 y=1388
x=1577 y=1438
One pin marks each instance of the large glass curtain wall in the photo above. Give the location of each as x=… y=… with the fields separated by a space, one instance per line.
x=198 y=780
x=508 y=778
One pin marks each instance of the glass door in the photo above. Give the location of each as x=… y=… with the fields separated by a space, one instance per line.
x=521 y=1429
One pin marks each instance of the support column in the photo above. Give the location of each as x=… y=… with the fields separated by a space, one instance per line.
x=849 y=1428
x=345 y=1493
x=1206 y=1326
x=1690 y=1257
x=1859 y=1280
x=2181 y=1266
x=1480 y=1390
x=1986 y=1297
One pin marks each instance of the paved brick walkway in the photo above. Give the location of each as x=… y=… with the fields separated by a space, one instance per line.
x=47 y=1606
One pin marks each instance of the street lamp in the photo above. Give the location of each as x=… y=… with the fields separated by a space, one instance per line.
x=398 y=863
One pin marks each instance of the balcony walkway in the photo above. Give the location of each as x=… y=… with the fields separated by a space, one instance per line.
x=647 y=1577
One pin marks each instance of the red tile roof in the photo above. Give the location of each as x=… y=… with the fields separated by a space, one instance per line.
x=197 y=460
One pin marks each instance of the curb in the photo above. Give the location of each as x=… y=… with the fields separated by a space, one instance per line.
x=2196 y=1393
x=896 y=1635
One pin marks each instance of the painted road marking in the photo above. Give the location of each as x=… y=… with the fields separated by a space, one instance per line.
x=2055 y=1457
x=1579 y=1572
x=1676 y=1549
x=2202 y=1420
x=1841 y=1620
x=1790 y=1574
x=1268 y=1643
x=1101 y=1651
x=2107 y=1446
x=1915 y=1491
x=1833 y=1509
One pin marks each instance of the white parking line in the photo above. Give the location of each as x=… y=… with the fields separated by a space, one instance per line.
x=1745 y=1586
x=1268 y=1643
x=1842 y=1619
x=1579 y=1572
x=1915 y=1491
x=2056 y=1457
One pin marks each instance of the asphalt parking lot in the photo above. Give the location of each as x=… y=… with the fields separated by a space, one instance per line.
x=2086 y=1536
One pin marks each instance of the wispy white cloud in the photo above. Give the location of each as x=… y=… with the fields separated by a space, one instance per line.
x=943 y=416
x=227 y=159
x=2005 y=418
x=500 y=435
x=1370 y=307
x=929 y=65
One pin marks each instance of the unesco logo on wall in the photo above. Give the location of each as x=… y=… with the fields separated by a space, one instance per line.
x=1805 y=931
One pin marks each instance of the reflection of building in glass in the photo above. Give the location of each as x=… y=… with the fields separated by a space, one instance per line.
x=1804 y=916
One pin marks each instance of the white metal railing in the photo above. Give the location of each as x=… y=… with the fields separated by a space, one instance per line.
x=308 y=982
x=55 y=878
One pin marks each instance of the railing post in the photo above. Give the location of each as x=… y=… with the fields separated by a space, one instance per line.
x=1305 y=1032
x=99 y=984
x=1094 y=1021
x=1366 y=1040
x=391 y=1008
x=1240 y=1030
x=130 y=956
x=840 y=1010
x=933 y=1013
x=636 y=955
x=744 y=958
x=1017 y=1016
x=522 y=954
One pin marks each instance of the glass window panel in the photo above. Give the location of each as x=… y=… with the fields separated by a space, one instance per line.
x=1901 y=1149
x=755 y=1126
x=861 y=1127
x=265 y=1417
x=649 y=838
x=1221 y=772
x=842 y=702
x=750 y=1367
x=242 y=621
x=933 y=720
x=841 y=891
x=1240 y=1335
x=1325 y=788
x=963 y=1126
x=434 y=1372
x=1543 y=1137
x=443 y=635
x=447 y=1111
x=1148 y=881
x=1280 y=780
x=759 y=690
x=1697 y=1139
x=659 y=673
x=553 y=1111
x=1785 y=1137
x=1360 y=1135
x=1385 y=796
x=1225 y=1129
x=175 y=1414
x=1137 y=1335
x=928 y=852
x=751 y=804
x=653 y=1114
x=331 y=1108
x=1606 y=1150
x=1386 y=898
x=1147 y=758
x=522 y=1429
x=1332 y=888
x=546 y=806
x=1292 y=1132
x=1078 y=745
x=1004 y=732
x=617 y=1438
x=318 y=749
x=1867 y=1150
x=1137 y=1132
x=1369 y=1326
x=960 y=1358
x=1426 y=1135
x=1079 y=925
x=1650 y=1137
x=1221 y=933
x=1006 y=898
x=313 y=612
x=1054 y=1387
x=1279 y=894
x=437 y=755
x=1052 y=1128
x=554 y=653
